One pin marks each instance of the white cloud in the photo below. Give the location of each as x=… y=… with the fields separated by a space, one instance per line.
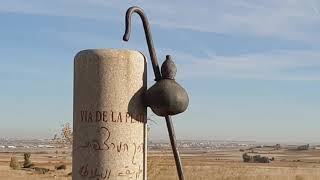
x=288 y=19
x=281 y=65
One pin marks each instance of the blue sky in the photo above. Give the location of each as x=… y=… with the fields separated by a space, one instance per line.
x=252 y=68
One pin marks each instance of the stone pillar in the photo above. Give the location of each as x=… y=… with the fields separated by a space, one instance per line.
x=109 y=116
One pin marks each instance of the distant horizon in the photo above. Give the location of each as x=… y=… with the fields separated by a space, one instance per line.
x=166 y=139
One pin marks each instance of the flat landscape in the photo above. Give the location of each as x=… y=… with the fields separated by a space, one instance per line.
x=288 y=164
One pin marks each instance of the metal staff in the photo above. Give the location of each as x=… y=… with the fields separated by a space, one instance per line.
x=169 y=104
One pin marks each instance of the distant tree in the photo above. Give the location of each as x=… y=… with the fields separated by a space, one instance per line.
x=255 y=159
x=66 y=135
x=246 y=157
x=14 y=164
x=277 y=147
x=261 y=159
x=304 y=147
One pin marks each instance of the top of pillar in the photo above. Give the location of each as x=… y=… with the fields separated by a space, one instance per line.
x=109 y=53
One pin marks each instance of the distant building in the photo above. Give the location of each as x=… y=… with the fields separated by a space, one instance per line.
x=49 y=146
x=45 y=146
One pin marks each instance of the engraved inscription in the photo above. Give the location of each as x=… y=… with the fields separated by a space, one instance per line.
x=106 y=173
x=130 y=174
x=111 y=116
x=108 y=145
x=91 y=173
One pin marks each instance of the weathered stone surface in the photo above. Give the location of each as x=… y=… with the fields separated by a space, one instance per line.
x=109 y=115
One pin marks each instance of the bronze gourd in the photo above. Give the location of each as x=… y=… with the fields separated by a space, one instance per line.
x=166 y=96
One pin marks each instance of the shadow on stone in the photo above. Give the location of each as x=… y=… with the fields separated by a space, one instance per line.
x=135 y=109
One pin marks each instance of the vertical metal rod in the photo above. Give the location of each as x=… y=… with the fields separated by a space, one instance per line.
x=174 y=147
x=157 y=74
x=145 y=148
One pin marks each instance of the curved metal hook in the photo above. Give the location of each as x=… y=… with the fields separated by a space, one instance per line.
x=147 y=32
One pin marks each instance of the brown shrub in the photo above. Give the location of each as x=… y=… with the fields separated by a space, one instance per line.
x=14 y=164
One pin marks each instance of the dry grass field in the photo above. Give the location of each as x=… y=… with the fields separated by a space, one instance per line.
x=218 y=165
x=229 y=166
x=41 y=158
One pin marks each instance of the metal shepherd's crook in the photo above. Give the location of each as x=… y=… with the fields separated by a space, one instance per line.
x=147 y=32
x=157 y=74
